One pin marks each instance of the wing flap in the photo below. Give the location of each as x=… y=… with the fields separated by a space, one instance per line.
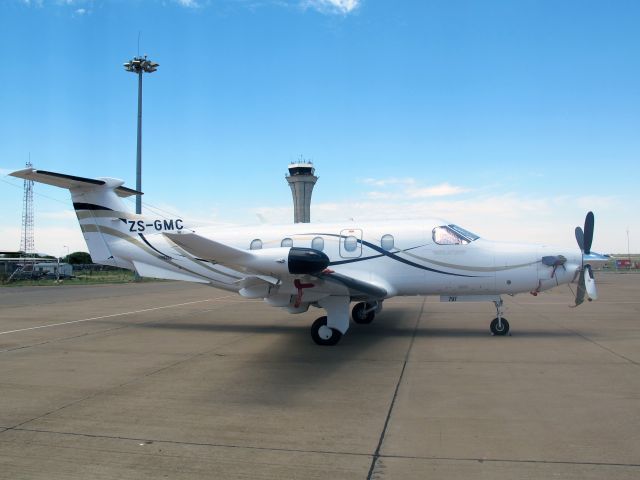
x=146 y=270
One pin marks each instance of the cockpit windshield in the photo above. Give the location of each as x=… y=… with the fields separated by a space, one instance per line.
x=452 y=235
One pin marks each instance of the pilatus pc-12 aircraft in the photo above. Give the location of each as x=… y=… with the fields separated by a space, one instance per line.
x=328 y=266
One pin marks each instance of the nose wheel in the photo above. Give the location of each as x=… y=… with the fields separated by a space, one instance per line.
x=499 y=325
x=324 y=335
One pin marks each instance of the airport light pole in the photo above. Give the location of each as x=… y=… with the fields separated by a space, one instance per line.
x=140 y=65
x=628 y=249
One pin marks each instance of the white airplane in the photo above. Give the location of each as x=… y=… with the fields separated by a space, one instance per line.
x=324 y=265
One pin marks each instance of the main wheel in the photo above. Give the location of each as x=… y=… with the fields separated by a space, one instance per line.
x=497 y=329
x=324 y=335
x=360 y=314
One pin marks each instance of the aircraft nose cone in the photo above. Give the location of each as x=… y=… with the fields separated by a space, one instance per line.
x=306 y=261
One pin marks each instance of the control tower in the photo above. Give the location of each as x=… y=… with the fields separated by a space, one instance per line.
x=301 y=179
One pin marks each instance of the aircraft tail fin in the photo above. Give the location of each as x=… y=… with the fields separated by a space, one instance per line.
x=104 y=218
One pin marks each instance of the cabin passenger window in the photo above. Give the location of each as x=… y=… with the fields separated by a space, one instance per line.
x=350 y=243
x=256 y=244
x=286 y=242
x=387 y=242
x=317 y=243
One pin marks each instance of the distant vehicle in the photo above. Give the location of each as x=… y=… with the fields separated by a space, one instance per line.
x=53 y=269
x=324 y=265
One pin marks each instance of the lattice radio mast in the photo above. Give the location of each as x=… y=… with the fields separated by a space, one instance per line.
x=26 y=237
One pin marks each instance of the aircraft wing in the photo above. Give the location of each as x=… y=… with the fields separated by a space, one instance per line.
x=208 y=249
x=274 y=264
x=360 y=289
x=219 y=253
x=270 y=264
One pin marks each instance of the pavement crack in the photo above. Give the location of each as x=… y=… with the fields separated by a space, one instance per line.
x=590 y=340
x=512 y=460
x=376 y=454
x=129 y=382
x=110 y=329
x=182 y=442
x=619 y=355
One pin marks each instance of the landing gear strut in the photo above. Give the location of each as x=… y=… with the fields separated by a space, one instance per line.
x=499 y=325
x=324 y=335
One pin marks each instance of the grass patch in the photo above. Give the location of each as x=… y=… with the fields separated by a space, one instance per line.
x=83 y=277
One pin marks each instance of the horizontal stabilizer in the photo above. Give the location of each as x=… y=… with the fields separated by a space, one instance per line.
x=63 y=180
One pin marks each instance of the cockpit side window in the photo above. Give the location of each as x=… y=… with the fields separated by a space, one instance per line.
x=464 y=233
x=452 y=235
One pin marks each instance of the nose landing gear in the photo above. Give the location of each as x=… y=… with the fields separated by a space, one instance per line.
x=499 y=325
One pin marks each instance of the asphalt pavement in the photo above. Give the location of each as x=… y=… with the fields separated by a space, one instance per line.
x=181 y=381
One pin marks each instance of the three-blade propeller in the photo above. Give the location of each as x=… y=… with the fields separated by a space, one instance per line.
x=586 y=282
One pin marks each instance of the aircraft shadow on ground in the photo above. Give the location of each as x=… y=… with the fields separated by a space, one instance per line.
x=291 y=365
x=384 y=327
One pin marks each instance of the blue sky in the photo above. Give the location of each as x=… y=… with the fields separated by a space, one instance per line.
x=510 y=118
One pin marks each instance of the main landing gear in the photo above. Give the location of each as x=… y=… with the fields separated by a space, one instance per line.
x=365 y=312
x=324 y=335
x=328 y=331
x=499 y=325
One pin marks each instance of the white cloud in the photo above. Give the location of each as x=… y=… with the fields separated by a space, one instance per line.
x=58 y=215
x=388 y=181
x=49 y=240
x=329 y=7
x=503 y=217
x=408 y=187
x=341 y=7
x=79 y=11
x=442 y=190
x=188 y=3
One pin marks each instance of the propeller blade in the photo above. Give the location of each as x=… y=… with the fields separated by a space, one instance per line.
x=581 y=289
x=590 y=283
x=580 y=238
x=588 y=232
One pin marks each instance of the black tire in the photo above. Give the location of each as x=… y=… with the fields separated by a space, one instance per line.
x=359 y=316
x=496 y=330
x=315 y=333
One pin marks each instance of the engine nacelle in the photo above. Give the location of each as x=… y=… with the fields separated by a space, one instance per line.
x=288 y=260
